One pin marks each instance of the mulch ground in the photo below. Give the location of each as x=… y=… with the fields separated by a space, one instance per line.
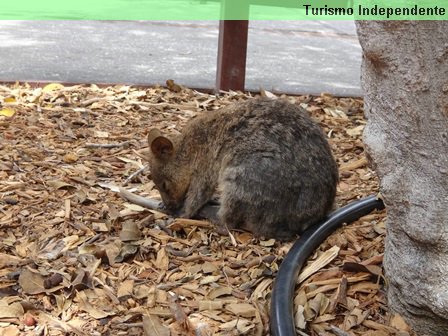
x=77 y=259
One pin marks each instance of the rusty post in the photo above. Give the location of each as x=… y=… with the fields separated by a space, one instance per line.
x=232 y=51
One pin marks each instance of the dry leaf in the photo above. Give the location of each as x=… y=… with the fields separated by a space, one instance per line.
x=10 y=331
x=7 y=112
x=9 y=100
x=9 y=260
x=130 y=232
x=112 y=251
x=82 y=280
x=125 y=289
x=11 y=310
x=357 y=131
x=31 y=282
x=299 y=317
x=93 y=311
x=179 y=314
x=152 y=326
x=399 y=323
x=210 y=305
x=244 y=237
x=209 y=267
x=126 y=251
x=267 y=243
x=52 y=87
x=242 y=326
x=356 y=267
x=101 y=134
x=57 y=184
x=219 y=291
x=70 y=158
x=209 y=279
x=267 y=94
x=241 y=309
x=162 y=260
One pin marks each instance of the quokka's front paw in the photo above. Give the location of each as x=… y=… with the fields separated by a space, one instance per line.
x=170 y=211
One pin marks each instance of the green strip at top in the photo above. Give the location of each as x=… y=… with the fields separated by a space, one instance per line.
x=223 y=10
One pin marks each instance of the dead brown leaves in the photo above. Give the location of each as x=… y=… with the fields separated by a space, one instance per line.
x=77 y=259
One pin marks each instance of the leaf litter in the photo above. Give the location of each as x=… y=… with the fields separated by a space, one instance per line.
x=78 y=259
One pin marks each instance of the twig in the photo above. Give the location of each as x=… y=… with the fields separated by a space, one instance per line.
x=111 y=145
x=140 y=155
x=133 y=175
x=93 y=100
x=91 y=240
x=340 y=297
x=353 y=165
x=164 y=228
x=142 y=201
x=209 y=211
x=11 y=320
x=129 y=325
x=180 y=223
x=338 y=332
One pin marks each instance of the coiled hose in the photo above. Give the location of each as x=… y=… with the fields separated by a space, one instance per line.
x=282 y=307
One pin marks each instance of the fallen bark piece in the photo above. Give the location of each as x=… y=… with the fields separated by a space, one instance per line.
x=241 y=309
x=320 y=262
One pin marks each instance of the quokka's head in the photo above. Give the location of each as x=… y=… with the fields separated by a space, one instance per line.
x=168 y=173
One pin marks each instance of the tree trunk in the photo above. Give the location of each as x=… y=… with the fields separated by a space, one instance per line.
x=405 y=81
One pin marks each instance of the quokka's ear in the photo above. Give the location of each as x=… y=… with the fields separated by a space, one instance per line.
x=161 y=147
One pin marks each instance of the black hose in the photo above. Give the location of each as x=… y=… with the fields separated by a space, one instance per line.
x=282 y=307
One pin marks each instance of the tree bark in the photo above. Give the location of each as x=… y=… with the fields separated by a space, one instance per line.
x=405 y=81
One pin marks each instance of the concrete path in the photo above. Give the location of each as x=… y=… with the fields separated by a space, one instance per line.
x=283 y=56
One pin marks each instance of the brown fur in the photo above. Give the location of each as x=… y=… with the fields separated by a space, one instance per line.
x=269 y=160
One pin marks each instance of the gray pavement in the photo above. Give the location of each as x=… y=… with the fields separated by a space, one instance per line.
x=283 y=56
